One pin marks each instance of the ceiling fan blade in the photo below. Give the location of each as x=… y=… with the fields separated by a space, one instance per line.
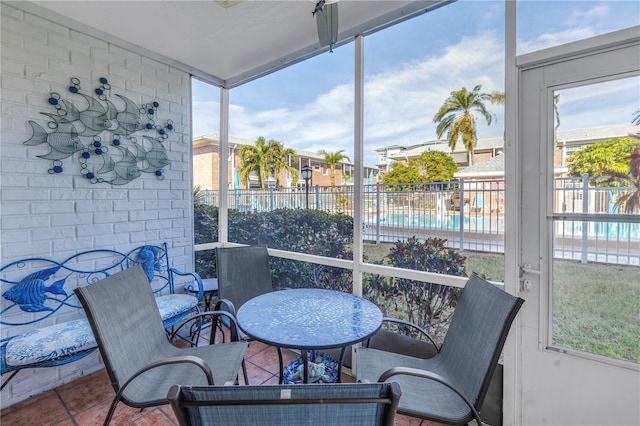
x=327 y=21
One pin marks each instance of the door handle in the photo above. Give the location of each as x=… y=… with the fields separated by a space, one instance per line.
x=525 y=283
x=528 y=269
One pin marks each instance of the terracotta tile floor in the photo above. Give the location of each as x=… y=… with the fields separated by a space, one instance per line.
x=86 y=401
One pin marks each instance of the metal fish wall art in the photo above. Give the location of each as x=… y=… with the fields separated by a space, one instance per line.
x=112 y=145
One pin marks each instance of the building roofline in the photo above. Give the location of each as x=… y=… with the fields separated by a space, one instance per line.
x=575 y=136
x=214 y=139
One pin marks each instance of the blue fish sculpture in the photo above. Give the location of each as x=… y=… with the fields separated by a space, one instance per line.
x=148 y=259
x=30 y=293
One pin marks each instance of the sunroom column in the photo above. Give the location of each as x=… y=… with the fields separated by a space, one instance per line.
x=358 y=125
x=223 y=160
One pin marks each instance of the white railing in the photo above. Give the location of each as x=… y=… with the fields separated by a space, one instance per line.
x=468 y=213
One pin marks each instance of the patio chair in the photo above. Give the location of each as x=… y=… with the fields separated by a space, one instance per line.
x=243 y=273
x=398 y=336
x=450 y=387
x=478 y=203
x=395 y=336
x=313 y=404
x=141 y=362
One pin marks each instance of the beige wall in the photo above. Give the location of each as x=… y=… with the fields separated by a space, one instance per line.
x=205 y=167
x=206 y=172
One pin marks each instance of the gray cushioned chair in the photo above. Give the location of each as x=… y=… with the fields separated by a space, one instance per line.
x=313 y=404
x=141 y=362
x=450 y=387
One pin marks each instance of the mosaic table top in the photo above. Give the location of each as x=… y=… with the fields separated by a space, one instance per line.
x=309 y=318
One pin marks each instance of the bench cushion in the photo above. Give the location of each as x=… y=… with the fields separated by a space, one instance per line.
x=74 y=336
x=50 y=342
x=172 y=305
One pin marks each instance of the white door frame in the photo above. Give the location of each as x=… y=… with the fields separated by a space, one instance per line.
x=543 y=386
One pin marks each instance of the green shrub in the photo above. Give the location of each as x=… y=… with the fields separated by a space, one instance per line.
x=315 y=232
x=205 y=229
x=300 y=230
x=428 y=305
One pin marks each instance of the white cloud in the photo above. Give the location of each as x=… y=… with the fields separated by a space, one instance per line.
x=593 y=15
x=206 y=117
x=599 y=104
x=403 y=102
x=561 y=22
x=399 y=104
x=546 y=40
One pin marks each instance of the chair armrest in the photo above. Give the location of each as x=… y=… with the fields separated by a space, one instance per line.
x=225 y=304
x=406 y=371
x=409 y=324
x=193 y=275
x=233 y=323
x=199 y=362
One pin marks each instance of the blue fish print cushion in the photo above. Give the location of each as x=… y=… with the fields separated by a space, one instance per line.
x=50 y=342
x=171 y=305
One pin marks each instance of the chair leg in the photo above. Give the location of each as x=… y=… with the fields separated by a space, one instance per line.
x=195 y=331
x=112 y=409
x=281 y=365
x=6 y=382
x=244 y=373
x=216 y=325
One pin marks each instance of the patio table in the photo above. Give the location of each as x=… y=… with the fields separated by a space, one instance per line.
x=309 y=319
x=210 y=290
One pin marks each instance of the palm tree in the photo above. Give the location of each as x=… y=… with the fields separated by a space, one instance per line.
x=455 y=116
x=631 y=200
x=255 y=158
x=265 y=159
x=199 y=197
x=279 y=161
x=332 y=159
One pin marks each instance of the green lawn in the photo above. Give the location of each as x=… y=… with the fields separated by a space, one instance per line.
x=596 y=307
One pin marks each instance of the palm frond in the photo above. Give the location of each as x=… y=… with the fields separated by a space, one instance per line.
x=629 y=202
x=199 y=196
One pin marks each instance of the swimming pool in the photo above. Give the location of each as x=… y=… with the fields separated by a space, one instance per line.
x=630 y=231
x=446 y=221
x=495 y=224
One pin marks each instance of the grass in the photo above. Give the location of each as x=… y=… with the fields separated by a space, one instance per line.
x=596 y=307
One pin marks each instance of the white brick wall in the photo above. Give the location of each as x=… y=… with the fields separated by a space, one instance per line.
x=56 y=215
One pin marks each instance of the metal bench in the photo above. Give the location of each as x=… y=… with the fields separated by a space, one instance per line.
x=42 y=322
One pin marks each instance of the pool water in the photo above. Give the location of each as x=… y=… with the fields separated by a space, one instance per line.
x=601 y=229
x=493 y=224
x=447 y=221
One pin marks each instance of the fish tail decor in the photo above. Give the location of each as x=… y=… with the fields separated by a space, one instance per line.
x=112 y=145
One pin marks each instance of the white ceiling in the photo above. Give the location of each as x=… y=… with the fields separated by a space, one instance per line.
x=229 y=45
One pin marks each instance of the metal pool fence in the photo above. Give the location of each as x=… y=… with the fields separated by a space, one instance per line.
x=468 y=213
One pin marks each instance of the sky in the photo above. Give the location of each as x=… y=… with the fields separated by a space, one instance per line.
x=410 y=69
